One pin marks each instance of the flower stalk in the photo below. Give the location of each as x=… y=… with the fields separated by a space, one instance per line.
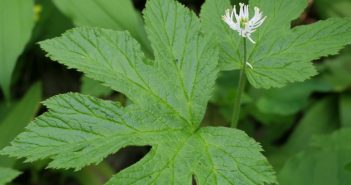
x=241 y=23
x=240 y=90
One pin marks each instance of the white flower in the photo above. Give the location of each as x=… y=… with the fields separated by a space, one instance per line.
x=242 y=23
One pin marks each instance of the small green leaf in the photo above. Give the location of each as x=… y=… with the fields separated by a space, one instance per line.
x=348 y=167
x=7 y=175
x=51 y=22
x=289 y=99
x=13 y=124
x=111 y=14
x=336 y=8
x=168 y=102
x=337 y=72
x=345 y=109
x=93 y=175
x=92 y=87
x=16 y=23
x=323 y=163
x=318 y=119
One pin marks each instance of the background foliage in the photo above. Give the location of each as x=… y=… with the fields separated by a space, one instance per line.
x=303 y=127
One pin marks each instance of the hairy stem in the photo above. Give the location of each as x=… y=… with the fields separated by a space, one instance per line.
x=240 y=90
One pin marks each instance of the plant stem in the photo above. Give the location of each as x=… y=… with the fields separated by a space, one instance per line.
x=240 y=90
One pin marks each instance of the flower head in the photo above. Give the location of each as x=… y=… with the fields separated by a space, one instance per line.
x=242 y=23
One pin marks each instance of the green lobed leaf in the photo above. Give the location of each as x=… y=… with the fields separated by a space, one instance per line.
x=7 y=175
x=281 y=55
x=169 y=98
x=182 y=54
x=115 y=59
x=92 y=129
x=111 y=14
x=16 y=23
x=279 y=14
x=212 y=155
x=287 y=58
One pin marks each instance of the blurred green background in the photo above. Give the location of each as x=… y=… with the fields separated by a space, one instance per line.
x=304 y=127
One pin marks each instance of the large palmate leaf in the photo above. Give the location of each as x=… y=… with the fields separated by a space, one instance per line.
x=169 y=97
x=281 y=55
x=7 y=175
x=16 y=23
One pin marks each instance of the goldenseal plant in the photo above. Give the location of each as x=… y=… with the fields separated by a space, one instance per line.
x=168 y=101
x=169 y=93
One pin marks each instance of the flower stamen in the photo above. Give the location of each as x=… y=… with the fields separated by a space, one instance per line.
x=248 y=64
